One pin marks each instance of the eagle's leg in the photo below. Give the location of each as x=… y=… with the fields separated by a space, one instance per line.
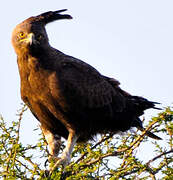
x=66 y=154
x=54 y=142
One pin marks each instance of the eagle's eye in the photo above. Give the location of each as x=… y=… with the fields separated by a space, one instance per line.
x=21 y=34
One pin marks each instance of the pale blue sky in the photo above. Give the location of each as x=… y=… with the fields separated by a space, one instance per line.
x=131 y=41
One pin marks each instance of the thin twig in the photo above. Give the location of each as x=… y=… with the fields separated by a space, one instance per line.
x=118 y=152
x=101 y=141
x=159 y=156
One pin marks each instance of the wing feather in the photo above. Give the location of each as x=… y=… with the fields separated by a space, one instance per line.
x=84 y=86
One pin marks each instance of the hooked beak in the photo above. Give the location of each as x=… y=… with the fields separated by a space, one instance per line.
x=31 y=38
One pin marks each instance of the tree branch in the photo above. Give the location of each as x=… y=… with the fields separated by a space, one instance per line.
x=159 y=156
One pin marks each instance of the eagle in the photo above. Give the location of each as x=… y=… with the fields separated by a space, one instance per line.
x=69 y=97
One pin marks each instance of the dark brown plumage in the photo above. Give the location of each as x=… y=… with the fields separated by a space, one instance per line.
x=69 y=97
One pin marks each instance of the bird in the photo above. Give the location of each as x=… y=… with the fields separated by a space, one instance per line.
x=70 y=98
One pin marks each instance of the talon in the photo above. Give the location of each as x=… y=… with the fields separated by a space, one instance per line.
x=45 y=164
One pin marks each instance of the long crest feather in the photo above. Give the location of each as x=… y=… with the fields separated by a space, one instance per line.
x=51 y=16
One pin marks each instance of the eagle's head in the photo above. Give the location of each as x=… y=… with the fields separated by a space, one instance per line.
x=31 y=33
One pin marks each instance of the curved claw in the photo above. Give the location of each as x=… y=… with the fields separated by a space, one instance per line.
x=45 y=163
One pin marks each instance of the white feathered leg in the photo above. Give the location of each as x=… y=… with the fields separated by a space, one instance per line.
x=66 y=154
x=54 y=142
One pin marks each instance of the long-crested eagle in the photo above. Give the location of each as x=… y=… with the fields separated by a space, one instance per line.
x=70 y=98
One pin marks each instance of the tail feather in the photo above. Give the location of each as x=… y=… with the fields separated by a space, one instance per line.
x=149 y=134
x=141 y=104
x=154 y=103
